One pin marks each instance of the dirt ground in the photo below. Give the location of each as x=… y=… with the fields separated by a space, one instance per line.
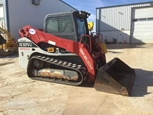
x=20 y=95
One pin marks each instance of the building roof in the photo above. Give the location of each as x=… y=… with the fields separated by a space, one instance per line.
x=68 y=4
x=126 y=5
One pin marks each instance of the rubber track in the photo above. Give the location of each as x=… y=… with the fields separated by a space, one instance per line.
x=78 y=68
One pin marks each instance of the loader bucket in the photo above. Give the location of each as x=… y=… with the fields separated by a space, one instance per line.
x=115 y=77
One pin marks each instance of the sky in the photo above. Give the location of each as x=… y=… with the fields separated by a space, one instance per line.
x=91 y=5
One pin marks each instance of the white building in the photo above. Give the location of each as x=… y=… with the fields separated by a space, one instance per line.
x=18 y=13
x=131 y=23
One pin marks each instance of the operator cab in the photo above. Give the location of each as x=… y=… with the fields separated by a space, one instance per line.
x=69 y=25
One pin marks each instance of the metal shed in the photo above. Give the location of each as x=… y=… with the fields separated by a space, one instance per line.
x=130 y=23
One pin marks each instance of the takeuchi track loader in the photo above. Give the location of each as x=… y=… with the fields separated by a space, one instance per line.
x=65 y=53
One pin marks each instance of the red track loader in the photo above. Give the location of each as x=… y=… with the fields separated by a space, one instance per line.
x=66 y=53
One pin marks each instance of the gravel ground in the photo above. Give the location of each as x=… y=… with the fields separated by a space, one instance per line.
x=20 y=95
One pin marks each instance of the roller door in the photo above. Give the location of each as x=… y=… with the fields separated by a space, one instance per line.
x=142 y=25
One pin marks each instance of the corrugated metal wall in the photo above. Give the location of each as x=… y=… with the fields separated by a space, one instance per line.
x=3 y=13
x=116 y=19
x=25 y=13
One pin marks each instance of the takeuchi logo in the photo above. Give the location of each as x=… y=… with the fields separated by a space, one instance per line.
x=86 y=59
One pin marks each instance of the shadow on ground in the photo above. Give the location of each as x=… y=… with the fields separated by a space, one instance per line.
x=144 y=80
x=10 y=56
x=6 y=63
x=123 y=46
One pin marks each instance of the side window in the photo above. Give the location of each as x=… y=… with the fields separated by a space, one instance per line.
x=52 y=25
x=59 y=24
x=65 y=24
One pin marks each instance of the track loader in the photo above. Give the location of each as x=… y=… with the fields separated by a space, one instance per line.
x=65 y=53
